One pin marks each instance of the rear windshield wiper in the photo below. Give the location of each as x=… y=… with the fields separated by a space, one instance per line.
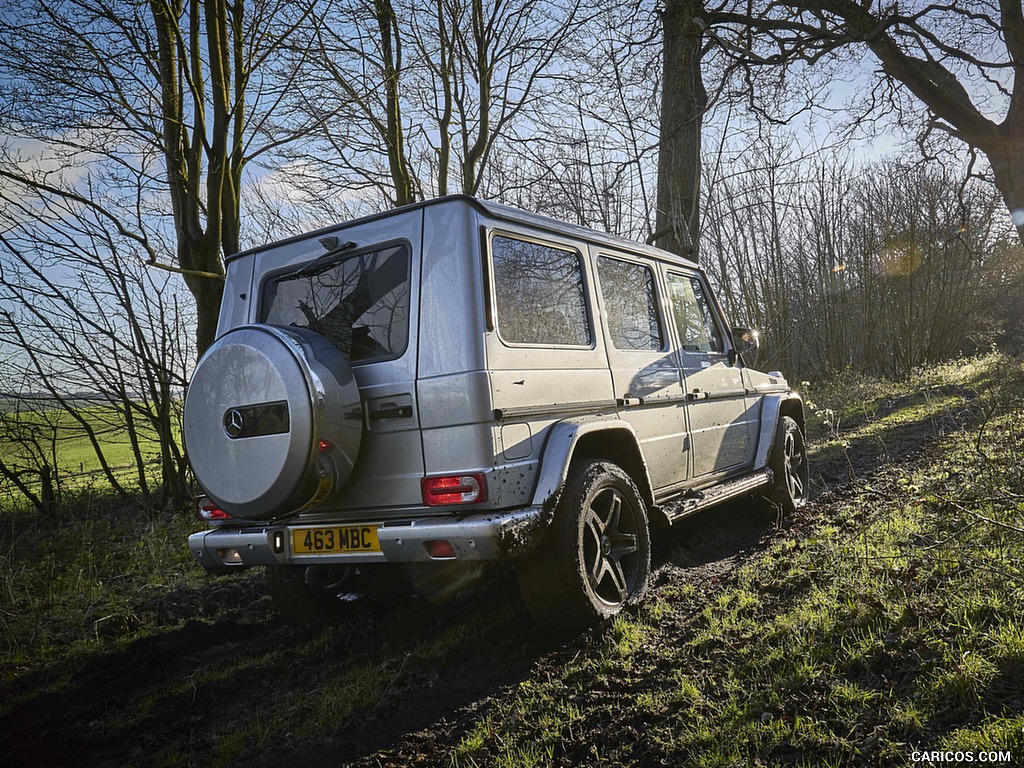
x=319 y=264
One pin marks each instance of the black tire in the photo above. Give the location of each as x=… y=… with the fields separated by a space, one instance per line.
x=596 y=555
x=788 y=463
x=313 y=600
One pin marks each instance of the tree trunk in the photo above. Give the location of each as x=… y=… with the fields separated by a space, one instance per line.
x=683 y=103
x=391 y=61
x=207 y=293
x=1008 y=172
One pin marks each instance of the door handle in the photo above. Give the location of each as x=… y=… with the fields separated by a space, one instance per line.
x=391 y=411
x=697 y=395
x=628 y=401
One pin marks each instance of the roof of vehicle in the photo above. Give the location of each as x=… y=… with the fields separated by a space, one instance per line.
x=496 y=211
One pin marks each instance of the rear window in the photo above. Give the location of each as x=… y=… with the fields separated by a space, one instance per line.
x=538 y=290
x=359 y=302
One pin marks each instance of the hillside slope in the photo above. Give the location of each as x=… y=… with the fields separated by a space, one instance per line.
x=884 y=618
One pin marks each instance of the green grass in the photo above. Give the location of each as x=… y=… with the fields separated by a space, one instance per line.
x=91 y=574
x=883 y=623
x=74 y=448
x=56 y=437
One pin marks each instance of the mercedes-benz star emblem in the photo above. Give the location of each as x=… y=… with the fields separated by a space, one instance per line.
x=233 y=422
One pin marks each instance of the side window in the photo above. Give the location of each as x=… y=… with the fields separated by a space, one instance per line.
x=538 y=290
x=361 y=303
x=692 y=311
x=627 y=290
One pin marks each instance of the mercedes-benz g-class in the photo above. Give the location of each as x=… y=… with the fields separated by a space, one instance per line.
x=458 y=381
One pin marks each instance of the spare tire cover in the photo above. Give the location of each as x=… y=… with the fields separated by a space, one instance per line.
x=260 y=401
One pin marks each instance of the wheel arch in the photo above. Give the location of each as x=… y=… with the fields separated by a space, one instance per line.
x=773 y=408
x=607 y=439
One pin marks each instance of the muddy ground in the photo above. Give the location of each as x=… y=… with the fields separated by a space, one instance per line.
x=161 y=700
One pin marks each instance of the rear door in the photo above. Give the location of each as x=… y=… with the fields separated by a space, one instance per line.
x=645 y=373
x=545 y=359
x=722 y=430
x=364 y=301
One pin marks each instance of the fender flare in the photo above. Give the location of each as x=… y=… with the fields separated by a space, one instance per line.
x=771 y=412
x=560 y=447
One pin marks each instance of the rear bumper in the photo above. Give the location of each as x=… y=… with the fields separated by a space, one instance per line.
x=493 y=536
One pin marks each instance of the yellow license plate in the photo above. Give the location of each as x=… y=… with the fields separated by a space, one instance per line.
x=325 y=541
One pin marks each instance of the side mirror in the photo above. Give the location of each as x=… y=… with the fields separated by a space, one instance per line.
x=745 y=340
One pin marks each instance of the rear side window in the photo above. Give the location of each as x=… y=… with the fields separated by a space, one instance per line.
x=692 y=311
x=360 y=303
x=539 y=294
x=627 y=290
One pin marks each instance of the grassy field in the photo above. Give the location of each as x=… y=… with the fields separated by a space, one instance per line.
x=86 y=578
x=57 y=438
x=884 y=618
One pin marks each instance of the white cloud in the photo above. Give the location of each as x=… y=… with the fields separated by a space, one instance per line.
x=58 y=163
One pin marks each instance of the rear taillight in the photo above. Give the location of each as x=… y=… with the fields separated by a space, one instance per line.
x=207 y=511
x=454 y=489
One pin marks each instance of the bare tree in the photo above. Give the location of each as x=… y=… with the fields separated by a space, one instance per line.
x=413 y=100
x=29 y=431
x=590 y=155
x=879 y=268
x=962 y=66
x=154 y=107
x=97 y=354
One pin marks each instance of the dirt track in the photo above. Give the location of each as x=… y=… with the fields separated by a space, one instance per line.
x=175 y=695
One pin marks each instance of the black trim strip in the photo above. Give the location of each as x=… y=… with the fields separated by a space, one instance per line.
x=702 y=395
x=485 y=255
x=652 y=402
x=502 y=414
x=257 y=420
x=769 y=390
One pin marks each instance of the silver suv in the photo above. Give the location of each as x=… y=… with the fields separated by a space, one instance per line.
x=455 y=382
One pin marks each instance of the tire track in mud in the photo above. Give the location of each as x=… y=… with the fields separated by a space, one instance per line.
x=703 y=550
